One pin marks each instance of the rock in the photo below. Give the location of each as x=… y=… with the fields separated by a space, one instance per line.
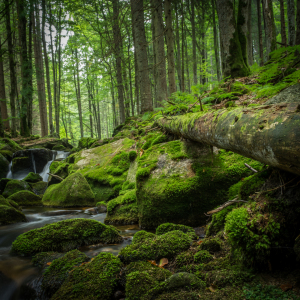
x=119 y=295
x=3 y=183
x=59 y=147
x=21 y=164
x=13 y=186
x=86 y=142
x=167 y=227
x=288 y=95
x=42 y=259
x=33 y=178
x=26 y=198
x=102 y=208
x=91 y=211
x=60 y=169
x=73 y=191
x=64 y=236
x=9 y=212
x=7 y=154
x=4 y=166
x=39 y=188
x=211 y=244
x=200 y=231
x=94 y=280
x=10 y=145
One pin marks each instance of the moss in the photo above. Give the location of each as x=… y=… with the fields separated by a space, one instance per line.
x=102 y=192
x=203 y=257
x=14 y=186
x=167 y=245
x=59 y=269
x=43 y=259
x=21 y=164
x=160 y=139
x=8 y=144
x=7 y=154
x=212 y=245
x=10 y=215
x=179 y=295
x=26 y=198
x=3 y=166
x=141 y=236
x=59 y=147
x=54 y=165
x=65 y=235
x=39 y=188
x=132 y=155
x=33 y=177
x=73 y=191
x=183 y=259
x=166 y=227
x=94 y=280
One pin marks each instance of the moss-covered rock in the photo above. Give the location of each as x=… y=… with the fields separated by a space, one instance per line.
x=39 y=188
x=26 y=198
x=59 y=269
x=3 y=166
x=33 y=178
x=94 y=280
x=61 y=170
x=21 y=164
x=10 y=212
x=212 y=245
x=73 y=191
x=59 y=147
x=203 y=256
x=43 y=259
x=141 y=236
x=10 y=145
x=166 y=227
x=167 y=245
x=3 y=183
x=7 y=154
x=13 y=186
x=64 y=236
x=178 y=182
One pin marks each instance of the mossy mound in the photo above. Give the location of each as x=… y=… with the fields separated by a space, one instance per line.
x=42 y=259
x=26 y=198
x=141 y=236
x=7 y=154
x=212 y=245
x=64 y=236
x=203 y=256
x=4 y=166
x=13 y=186
x=59 y=168
x=94 y=280
x=73 y=191
x=21 y=164
x=178 y=182
x=59 y=269
x=166 y=227
x=39 y=188
x=10 y=145
x=167 y=245
x=59 y=147
x=10 y=212
x=33 y=178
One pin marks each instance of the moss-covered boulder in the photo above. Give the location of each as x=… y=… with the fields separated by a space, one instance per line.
x=166 y=227
x=13 y=186
x=39 y=188
x=10 y=212
x=59 y=168
x=3 y=166
x=167 y=245
x=179 y=181
x=3 y=183
x=7 y=154
x=42 y=259
x=33 y=178
x=73 y=191
x=26 y=198
x=59 y=269
x=64 y=236
x=10 y=145
x=94 y=280
x=21 y=164
x=59 y=147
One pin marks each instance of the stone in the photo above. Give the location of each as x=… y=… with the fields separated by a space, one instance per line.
x=4 y=166
x=288 y=95
x=102 y=208
x=33 y=178
x=26 y=198
x=91 y=211
x=73 y=191
x=7 y=154
x=21 y=164
x=13 y=186
x=9 y=212
x=3 y=183
x=39 y=188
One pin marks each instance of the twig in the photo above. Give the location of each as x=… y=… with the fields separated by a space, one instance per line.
x=249 y=167
x=192 y=106
x=200 y=104
x=170 y=102
x=55 y=176
x=225 y=205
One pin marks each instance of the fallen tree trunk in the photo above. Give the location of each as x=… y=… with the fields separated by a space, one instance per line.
x=267 y=133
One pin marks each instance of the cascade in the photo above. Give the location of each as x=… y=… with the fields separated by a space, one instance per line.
x=44 y=174
x=33 y=162
x=9 y=174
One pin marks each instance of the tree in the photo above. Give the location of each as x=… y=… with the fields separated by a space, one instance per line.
x=261 y=50
x=298 y=24
x=282 y=23
x=291 y=22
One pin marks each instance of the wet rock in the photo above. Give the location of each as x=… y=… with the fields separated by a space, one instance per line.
x=13 y=186
x=3 y=183
x=4 y=166
x=21 y=164
x=7 y=154
x=60 y=212
x=33 y=178
x=39 y=188
x=102 y=208
x=288 y=95
x=10 y=212
x=91 y=211
x=200 y=231
x=26 y=198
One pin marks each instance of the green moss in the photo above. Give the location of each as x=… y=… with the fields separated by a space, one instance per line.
x=10 y=215
x=20 y=163
x=33 y=177
x=39 y=188
x=8 y=144
x=132 y=155
x=141 y=236
x=59 y=147
x=43 y=259
x=3 y=166
x=166 y=227
x=203 y=257
x=7 y=154
x=167 y=245
x=26 y=198
x=14 y=186
x=212 y=245
x=65 y=235
x=94 y=280
x=183 y=259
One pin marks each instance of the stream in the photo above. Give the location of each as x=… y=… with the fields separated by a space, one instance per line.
x=17 y=271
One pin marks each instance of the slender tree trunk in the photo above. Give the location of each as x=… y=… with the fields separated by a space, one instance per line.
x=232 y=59
x=270 y=28
x=30 y=83
x=203 y=42
x=58 y=74
x=178 y=49
x=291 y=22
x=249 y=35
x=39 y=67
x=182 y=47
x=141 y=54
x=298 y=23
x=261 y=48
x=153 y=62
x=47 y=67
x=282 y=24
x=13 y=80
x=194 y=41
x=3 y=106
x=216 y=44
x=170 y=46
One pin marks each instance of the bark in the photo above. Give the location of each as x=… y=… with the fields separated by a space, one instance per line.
x=298 y=23
x=30 y=83
x=291 y=22
x=268 y=133
x=170 y=46
x=216 y=44
x=178 y=49
x=141 y=54
x=249 y=35
x=261 y=49
x=203 y=42
x=270 y=28
x=195 y=81
x=159 y=45
x=282 y=23
x=232 y=59
x=1 y=125
x=39 y=68
x=13 y=79
x=182 y=48
x=3 y=106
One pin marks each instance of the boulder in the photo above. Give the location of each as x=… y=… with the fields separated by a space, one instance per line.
x=4 y=166
x=9 y=212
x=13 y=186
x=73 y=191
x=10 y=145
x=102 y=208
x=59 y=147
x=33 y=178
x=3 y=183
x=64 y=236
x=61 y=170
x=39 y=188
x=26 y=198
x=288 y=95
x=23 y=164
x=7 y=154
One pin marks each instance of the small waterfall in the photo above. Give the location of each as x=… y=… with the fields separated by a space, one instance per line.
x=33 y=161
x=9 y=174
x=44 y=174
x=61 y=154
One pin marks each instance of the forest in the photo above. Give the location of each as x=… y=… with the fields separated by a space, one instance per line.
x=149 y=149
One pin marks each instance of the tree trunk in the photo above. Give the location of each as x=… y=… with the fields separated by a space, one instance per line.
x=160 y=52
x=195 y=80
x=268 y=133
x=261 y=49
x=232 y=59
x=282 y=24
x=178 y=49
x=270 y=28
x=170 y=46
x=30 y=81
x=298 y=23
x=13 y=79
x=182 y=48
x=140 y=44
x=216 y=44
x=249 y=35
x=39 y=67
x=3 y=106
x=291 y=22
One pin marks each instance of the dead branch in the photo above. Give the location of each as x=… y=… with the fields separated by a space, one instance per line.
x=55 y=176
x=249 y=167
x=225 y=205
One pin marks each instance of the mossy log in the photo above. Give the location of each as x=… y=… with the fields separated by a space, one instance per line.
x=267 y=133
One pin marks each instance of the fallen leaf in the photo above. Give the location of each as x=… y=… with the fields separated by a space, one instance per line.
x=141 y=152
x=286 y=287
x=48 y=263
x=163 y=262
x=211 y=289
x=152 y=262
x=199 y=242
x=88 y=270
x=203 y=170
